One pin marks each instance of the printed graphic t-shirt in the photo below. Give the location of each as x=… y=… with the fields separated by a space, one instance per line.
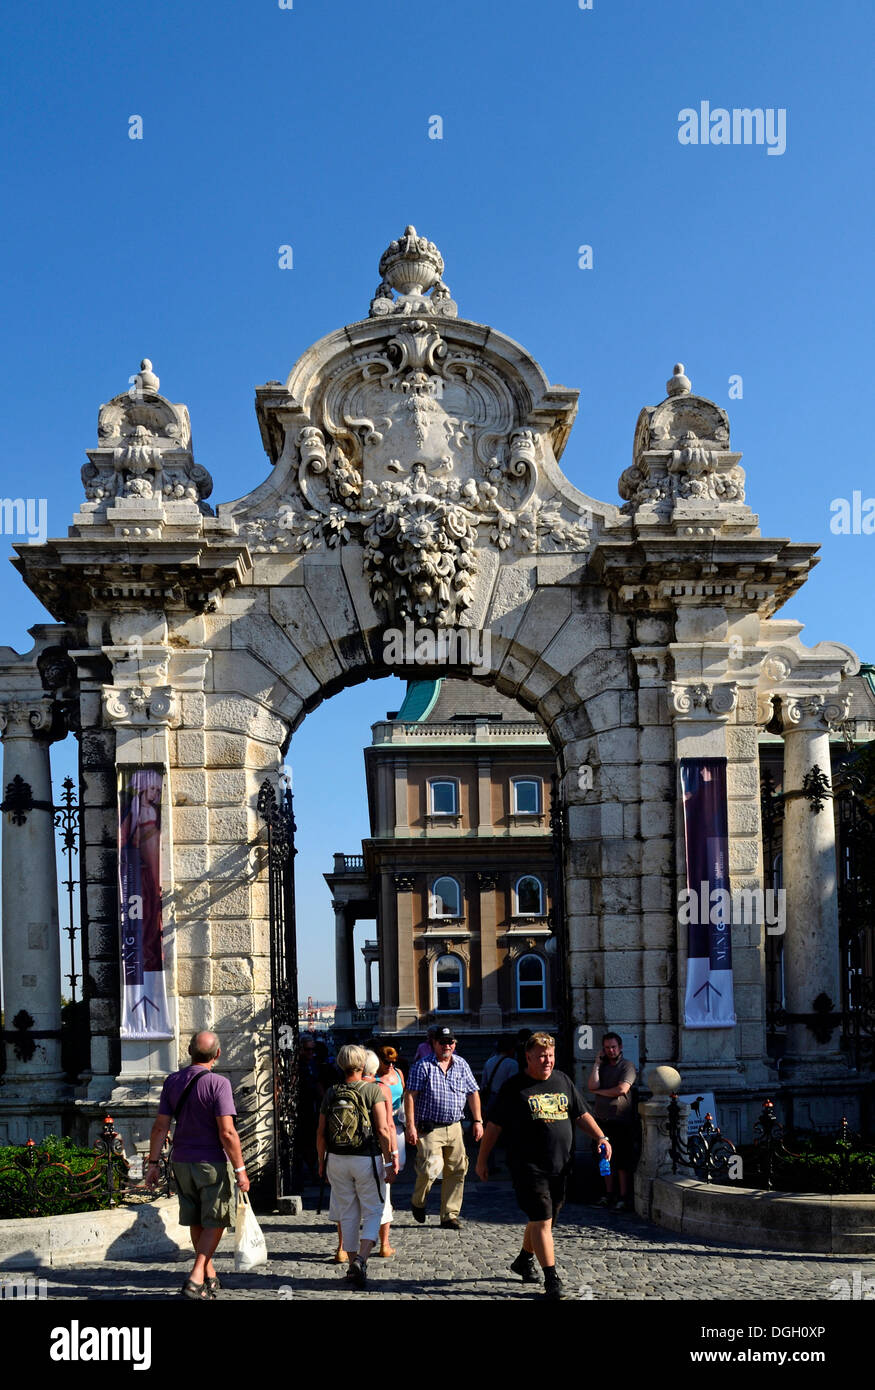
x=538 y=1119
x=196 y=1138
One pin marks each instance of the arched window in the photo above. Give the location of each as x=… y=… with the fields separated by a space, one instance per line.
x=448 y=985
x=527 y=796
x=531 y=991
x=529 y=897
x=446 y=898
x=444 y=796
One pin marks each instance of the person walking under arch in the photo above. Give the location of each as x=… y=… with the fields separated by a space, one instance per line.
x=537 y=1111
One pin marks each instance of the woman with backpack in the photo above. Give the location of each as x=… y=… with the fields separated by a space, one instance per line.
x=355 y=1124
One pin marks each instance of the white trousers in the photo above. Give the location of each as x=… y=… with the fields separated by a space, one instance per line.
x=356 y=1201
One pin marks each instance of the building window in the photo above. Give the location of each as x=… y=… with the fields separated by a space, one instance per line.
x=448 y=985
x=444 y=798
x=446 y=898
x=529 y=897
x=527 y=796
x=530 y=985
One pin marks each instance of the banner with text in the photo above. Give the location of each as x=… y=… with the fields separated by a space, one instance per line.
x=145 y=1013
x=709 y=1002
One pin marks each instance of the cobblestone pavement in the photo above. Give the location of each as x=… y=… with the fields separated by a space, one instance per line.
x=600 y=1256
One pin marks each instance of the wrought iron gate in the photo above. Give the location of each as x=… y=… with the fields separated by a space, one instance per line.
x=278 y=816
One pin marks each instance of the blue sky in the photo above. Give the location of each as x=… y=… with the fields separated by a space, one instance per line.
x=308 y=127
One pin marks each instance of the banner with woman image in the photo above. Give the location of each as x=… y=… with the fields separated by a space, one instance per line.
x=145 y=1013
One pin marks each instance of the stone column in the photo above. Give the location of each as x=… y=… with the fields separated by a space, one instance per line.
x=31 y=939
x=490 y=1008
x=811 y=941
x=407 y=1015
x=345 y=979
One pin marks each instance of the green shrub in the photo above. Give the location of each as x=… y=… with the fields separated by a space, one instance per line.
x=48 y=1189
x=814 y=1165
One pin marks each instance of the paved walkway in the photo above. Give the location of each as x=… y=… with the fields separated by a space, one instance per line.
x=600 y=1255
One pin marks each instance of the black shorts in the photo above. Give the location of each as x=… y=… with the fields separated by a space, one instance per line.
x=622 y=1137
x=541 y=1197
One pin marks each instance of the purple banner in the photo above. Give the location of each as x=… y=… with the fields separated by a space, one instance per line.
x=144 y=995
x=706 y=911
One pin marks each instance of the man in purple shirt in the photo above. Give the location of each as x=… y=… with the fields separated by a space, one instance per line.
x=204 y=1140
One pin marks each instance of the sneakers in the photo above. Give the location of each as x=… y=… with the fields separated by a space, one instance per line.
x=357 y=1274
x=623 y=1205
x=606 y=1203
x=525 y=1266
x=554 y=1289
x=418 y=1213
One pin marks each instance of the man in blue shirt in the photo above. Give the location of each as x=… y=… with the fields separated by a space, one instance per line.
x=438 y=1088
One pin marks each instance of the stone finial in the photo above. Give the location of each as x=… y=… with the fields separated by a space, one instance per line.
x=678 y=384
x=412 y=264
x=146 y=379
x=410 y=267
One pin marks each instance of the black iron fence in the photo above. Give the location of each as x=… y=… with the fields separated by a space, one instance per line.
x=711 y=1157
x=51 y=1181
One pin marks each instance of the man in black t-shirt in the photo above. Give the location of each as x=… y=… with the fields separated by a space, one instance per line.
x=537 y=1111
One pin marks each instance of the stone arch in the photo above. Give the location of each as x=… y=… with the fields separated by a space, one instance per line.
x=414 y=478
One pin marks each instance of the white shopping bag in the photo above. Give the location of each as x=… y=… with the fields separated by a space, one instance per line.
x=250 y=1249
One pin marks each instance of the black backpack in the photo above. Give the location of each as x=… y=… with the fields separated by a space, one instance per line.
x=348 y=1121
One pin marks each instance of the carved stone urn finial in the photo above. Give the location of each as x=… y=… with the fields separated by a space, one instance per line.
x=678 y=385
x=412 y=264
x=411 y=268
x=146 y=378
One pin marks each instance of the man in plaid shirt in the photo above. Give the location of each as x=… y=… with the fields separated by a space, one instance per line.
x=438 y=1088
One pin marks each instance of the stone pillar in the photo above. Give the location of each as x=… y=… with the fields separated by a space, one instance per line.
x=345 y=1002
x=369 y=998
x=387 y=936
x=811 y=941
x=490 y=1007
x=31 y=939
x=407 y=1013
x=655 y=1161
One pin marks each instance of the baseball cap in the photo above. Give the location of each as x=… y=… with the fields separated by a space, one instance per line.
x=444 y=1035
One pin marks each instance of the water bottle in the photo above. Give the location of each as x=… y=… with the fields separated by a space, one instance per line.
x=604 y=1162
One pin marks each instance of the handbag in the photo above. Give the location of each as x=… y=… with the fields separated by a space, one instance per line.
x=250 y=1247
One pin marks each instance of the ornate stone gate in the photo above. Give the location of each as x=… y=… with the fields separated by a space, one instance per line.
x=414 y=475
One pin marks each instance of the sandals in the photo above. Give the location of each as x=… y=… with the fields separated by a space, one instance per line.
x=194 y=1291
x=206 y=1290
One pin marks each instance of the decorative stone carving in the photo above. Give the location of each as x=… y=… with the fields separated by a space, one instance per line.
x=703 y=701
x=681 y=455
x=487 y=879
x=414 y=445
x=144 y=451
x=412 y=266
x=24 y=718
x=404 y=883
x=141 y=705
x=814 y=713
